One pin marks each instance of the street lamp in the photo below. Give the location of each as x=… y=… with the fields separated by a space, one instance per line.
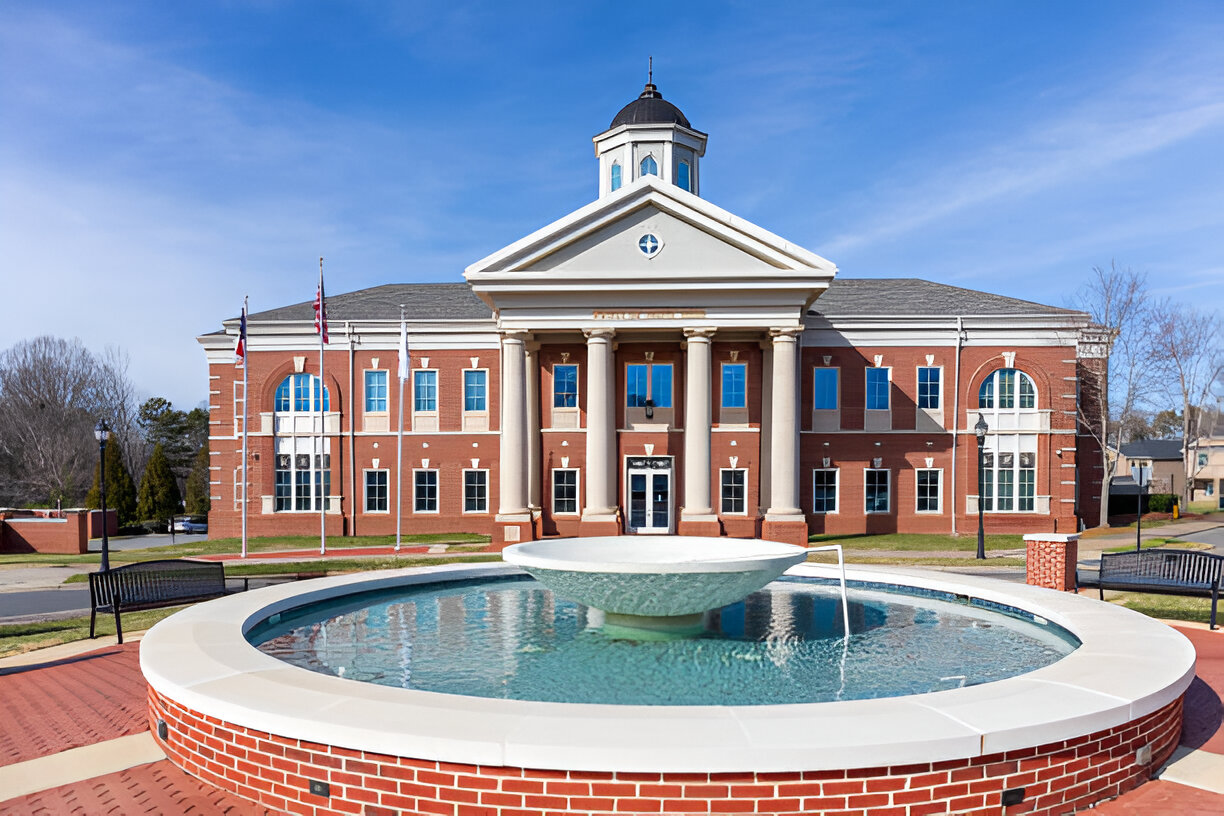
x=1142 y=477
x=980 y=430
x=102 y=433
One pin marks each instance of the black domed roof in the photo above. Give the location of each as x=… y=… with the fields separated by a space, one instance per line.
x=650 y=109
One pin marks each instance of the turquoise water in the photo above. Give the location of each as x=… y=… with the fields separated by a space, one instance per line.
x=512 y=638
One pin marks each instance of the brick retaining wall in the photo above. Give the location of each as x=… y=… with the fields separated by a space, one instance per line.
x=276 y=771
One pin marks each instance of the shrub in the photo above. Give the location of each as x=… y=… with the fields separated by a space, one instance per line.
x=1161 y=502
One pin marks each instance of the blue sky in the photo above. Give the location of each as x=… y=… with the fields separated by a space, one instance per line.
x=160 y=160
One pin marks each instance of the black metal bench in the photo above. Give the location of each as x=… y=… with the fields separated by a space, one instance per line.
x=152 y=585
x=1167 y=572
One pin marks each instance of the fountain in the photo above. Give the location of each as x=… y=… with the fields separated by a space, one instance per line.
x=1074 y=731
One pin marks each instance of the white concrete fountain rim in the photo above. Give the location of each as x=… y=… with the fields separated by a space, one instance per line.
x=1127 y=666
x=653 y=554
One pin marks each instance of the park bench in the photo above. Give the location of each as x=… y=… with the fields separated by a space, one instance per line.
x=152 y=585
x=1168 y=572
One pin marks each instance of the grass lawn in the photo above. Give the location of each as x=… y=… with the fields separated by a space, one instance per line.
x=1165 y=607
x=1176 y=543
x=1204 y=507
x=458 y=542
x=16 y=638
x=913 y=542
x=334 y=566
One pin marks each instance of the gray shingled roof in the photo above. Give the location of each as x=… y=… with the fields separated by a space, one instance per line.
x=846 y=297
x=422 y=301
x=856 y=297
x=1159 y=449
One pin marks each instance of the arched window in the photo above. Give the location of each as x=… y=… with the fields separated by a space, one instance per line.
x=616 y=176
x=1008 y=389
x=682 y=176
x=1007 y=401
x=303 y=461
x=299 y=393
x=649 y=166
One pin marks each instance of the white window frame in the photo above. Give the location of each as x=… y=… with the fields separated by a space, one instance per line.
x=938 y=493
x=743 y=486
x=939 y=398
x=836 y=491
x=238 y=488
x=239 y=408
x=437 y=492
x=365 y=491
x=365 y=396
x=577 y=492
x=437 y=391
x=485 y=472
x=888 y=491
x=476 y=411
x=887 y=387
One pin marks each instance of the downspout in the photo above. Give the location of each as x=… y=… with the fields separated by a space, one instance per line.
x=348 y=331
x=960 y=328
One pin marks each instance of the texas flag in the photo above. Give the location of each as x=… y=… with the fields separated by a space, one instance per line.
x=320 y=309
x=240 y=349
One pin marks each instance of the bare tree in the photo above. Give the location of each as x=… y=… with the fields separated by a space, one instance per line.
x=48 y=407
x=119 y=407
x=1113 y=391
x=1190 y=359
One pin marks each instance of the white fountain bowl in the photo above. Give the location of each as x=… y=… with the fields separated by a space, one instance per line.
x=654 y=576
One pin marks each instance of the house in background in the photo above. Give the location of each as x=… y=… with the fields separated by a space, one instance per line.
x=1207 y=468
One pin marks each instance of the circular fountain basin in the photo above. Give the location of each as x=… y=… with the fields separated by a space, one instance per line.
x=1100 y=720
x=654 y=576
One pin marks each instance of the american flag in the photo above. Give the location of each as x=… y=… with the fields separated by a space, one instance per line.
x=320 y=309
x=240 y=349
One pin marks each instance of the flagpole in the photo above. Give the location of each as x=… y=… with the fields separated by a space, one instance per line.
x=245 y=400
x=399 y=444
x=322 y=420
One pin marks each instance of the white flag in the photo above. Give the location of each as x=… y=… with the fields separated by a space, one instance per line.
x=403 y=351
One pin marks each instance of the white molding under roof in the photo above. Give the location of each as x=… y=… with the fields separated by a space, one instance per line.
x=760 y=280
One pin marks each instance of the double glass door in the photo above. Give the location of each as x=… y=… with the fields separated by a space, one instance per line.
x=649 y=489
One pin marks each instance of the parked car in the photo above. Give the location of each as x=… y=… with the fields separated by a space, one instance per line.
x=179 y=521
x=195 y=524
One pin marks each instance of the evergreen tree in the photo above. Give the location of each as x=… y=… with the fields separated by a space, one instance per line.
x=197 y=500
x=120 y=489
x=159 y=493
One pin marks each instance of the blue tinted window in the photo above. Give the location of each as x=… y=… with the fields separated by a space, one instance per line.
x=616 y=176
x=635 y=385
x=734 y=377
x=825 y=380
x=928 y=388
x=300 y=392
x=649 y=166
x=376 y=390
x=661 y=385
x=877 y=389
x=475 y=390
x=565 y=386
x=425 y=390
x=682 y=176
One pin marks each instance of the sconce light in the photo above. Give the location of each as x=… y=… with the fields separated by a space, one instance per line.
x=649 y=409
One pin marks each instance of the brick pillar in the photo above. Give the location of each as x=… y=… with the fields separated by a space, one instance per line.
x=1050 y=560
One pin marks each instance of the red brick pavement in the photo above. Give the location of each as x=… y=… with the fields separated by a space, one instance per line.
x=51 y=707
x=157 y=788
x=1163 y=799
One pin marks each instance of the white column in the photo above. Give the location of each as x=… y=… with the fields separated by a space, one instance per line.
x=783 y=436
x=766 y=441
x=601 y=430
x=697 y=422
x=533 y=425
x=513 y=466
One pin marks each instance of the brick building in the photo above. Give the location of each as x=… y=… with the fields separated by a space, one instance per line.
x=651 y=363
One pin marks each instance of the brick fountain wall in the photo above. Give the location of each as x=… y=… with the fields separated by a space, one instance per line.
x=276 y=772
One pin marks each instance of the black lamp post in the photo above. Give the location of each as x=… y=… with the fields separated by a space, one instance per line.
x=102 y=433
x=980 y=430
x=1142 y=478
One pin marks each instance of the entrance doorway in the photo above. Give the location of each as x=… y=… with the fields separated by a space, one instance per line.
x=648 y=482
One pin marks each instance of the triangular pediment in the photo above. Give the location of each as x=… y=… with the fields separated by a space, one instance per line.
x=649 y=244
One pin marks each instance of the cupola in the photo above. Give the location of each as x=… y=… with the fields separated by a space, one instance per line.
x=649 y=136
